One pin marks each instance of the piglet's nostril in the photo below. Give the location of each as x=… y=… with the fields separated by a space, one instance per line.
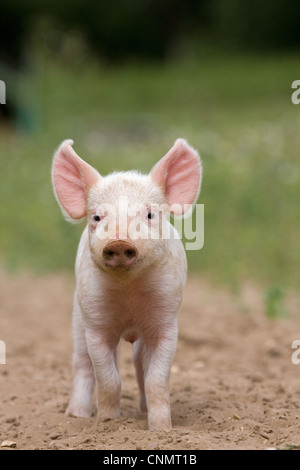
x=130 y=253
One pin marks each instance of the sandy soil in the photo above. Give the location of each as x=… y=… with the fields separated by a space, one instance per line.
x=233 y=384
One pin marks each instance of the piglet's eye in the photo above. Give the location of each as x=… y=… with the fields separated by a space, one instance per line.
x=150 y=215
x=96 y=218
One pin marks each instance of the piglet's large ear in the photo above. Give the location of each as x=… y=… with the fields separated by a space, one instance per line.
x=72 y=178
x=178 y=173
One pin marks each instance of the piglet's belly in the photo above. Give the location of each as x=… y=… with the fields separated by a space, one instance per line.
x=130 y=335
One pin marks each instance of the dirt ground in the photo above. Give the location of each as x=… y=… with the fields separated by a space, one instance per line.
x=233 y=384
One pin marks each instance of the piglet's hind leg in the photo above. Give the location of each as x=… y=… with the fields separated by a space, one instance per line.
x=81 y=401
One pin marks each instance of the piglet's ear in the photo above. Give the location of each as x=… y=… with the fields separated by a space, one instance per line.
x=72 y=178
x=179 y=173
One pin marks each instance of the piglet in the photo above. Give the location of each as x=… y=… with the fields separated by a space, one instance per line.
x=130 y=276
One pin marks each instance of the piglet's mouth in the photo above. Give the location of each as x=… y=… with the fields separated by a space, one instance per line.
x=119 y=254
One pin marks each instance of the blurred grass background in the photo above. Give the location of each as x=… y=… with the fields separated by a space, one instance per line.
x=234 y=106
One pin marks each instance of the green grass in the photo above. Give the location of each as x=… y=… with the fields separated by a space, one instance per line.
x=274 y=303
x=236 y=111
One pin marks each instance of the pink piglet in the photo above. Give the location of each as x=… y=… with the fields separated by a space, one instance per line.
x=130 y=277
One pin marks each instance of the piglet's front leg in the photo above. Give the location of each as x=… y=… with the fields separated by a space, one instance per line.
x=157 y=361
x=103 y=353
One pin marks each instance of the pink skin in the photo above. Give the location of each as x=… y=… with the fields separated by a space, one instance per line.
x=125 y=288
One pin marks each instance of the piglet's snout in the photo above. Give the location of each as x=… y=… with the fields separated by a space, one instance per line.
x=119 y=253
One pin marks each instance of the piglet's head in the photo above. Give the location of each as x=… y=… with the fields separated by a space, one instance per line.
x=126 y=210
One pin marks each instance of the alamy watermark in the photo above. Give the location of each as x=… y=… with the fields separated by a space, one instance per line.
x=138 y=221
x=2 y=92
x=2 y=352
x=296 y=94
x=296 y=354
